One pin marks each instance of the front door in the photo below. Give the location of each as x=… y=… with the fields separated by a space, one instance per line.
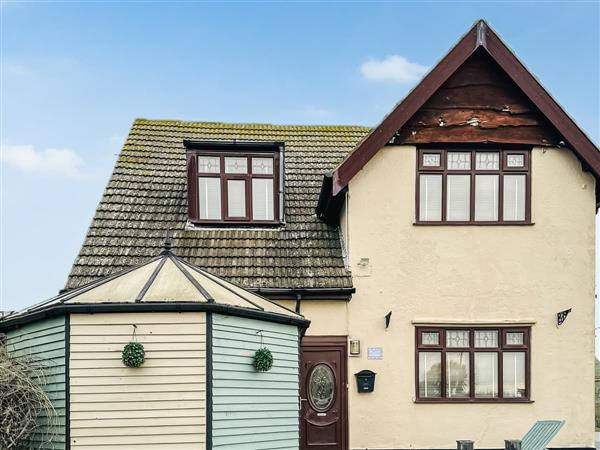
x=323 y=393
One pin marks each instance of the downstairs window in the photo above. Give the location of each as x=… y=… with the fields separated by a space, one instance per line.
x=472 y=364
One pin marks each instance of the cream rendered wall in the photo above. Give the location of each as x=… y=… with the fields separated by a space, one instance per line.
x=466 y=274
x=160 y=405
x=328 y=317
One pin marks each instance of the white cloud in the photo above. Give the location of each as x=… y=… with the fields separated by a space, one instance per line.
x=17 y=70
x=393 y=68
x=62 y=161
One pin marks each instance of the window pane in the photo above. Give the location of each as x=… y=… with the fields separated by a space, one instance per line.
x=487 y=161
x=262 y=199
x=459 y=197
x=209 y=164
x=457 y=374
x=432 y=160
x=430 y=197
x=486 y=198
x=430 y=338
x=430 y=371
x=486 y=338
x=236 y=165
x=514 y=338
x=457 y=338
x=236 y=198
x=514 y=197
x=209 y=193
x=513 y=374
x=515 y=160
x=486 y=375
x=262 y=166
x=459 y=160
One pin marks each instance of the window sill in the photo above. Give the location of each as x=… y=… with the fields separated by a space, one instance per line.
x=467 y=401
x=476 y=224
x=190 y=226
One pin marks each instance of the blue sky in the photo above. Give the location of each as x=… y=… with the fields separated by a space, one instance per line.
x=75 y=76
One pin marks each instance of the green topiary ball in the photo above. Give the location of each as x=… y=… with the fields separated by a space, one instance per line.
x=263 y=360
x=133 y=354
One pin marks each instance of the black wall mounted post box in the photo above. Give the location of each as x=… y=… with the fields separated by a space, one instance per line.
x=365 y=381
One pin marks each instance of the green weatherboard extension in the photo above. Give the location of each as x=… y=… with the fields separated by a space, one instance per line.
x=45 y=340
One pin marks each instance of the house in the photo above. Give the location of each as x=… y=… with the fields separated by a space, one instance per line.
x=434 y=250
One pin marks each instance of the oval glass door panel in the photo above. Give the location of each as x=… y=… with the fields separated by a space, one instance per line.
x=321 y=387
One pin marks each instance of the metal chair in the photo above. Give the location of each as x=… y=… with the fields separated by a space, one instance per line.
x=540 y=434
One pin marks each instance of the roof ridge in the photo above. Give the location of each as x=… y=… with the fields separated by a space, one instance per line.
x=145 y=121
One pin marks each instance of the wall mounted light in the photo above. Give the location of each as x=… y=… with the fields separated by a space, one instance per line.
x=355 y=347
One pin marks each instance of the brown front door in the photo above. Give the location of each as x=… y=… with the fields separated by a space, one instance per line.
x=323 y=393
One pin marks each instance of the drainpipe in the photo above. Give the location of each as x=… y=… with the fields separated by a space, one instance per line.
x=298 y=300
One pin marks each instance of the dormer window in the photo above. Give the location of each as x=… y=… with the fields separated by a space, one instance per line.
x=234 y=183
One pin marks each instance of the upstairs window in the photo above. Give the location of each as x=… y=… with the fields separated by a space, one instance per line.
x=233 y=184
x=473 y=186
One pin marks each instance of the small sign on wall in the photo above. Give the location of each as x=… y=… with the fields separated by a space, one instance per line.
x=375 y=353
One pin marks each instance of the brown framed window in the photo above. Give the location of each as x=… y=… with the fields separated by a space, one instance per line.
x=473 y=186
x=234 y=185
x=472 y=364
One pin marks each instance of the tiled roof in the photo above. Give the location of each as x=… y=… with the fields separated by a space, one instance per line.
x=146 y=195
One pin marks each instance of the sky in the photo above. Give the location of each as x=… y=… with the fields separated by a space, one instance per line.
x=74 y=76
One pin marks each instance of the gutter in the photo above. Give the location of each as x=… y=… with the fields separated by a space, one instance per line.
x=61 y=308
x=344 y=293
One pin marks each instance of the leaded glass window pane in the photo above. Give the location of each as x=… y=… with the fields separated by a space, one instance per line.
x=515 y=338
x=486 y=374
x=430 y=198
x=515 y=160
x=209 y=164
x=262 y=166
x=457 y=338
x=432 y=160
x=459 y=160
x=487 y=161
x=513 y=375
x=430 y=374
x=321 y=387
x=457 y=374
x=486 y=338
x=236 y=165
x=430 y=338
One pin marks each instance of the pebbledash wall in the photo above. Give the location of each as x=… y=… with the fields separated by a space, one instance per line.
x=45 y=341
x=165 y=403
x=469 y=275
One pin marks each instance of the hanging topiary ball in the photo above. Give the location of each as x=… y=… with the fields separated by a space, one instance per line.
x=133 y=354
x=263 y=360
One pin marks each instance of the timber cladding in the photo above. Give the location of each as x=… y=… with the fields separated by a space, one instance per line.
x=479 y=103
x=160 y=405
x=251 y=409
x=45 y=341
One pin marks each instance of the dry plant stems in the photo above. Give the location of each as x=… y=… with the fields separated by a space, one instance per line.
x=25 y=409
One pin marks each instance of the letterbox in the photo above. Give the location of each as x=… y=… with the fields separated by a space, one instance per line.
x=365 y=381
